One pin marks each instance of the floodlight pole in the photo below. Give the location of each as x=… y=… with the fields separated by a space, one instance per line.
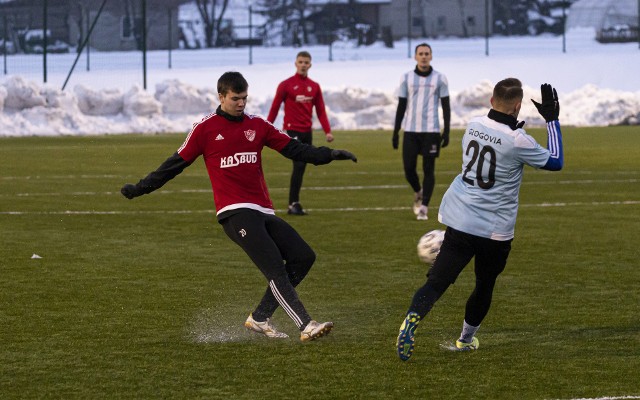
x=144 y=44
x=486 y=27
x=44 y=40
x=88 y=43
x=170 y=34
x=409 y=29
x=331 y=47
x=564 y=27
x=4 y=44
x=250 y=36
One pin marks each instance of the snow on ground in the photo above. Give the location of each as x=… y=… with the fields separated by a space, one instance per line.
x=597 y=84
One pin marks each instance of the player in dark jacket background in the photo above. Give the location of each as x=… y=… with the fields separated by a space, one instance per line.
x=231 y=144
x=300 y=95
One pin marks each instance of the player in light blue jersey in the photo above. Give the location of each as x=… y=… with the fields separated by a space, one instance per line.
x=480 y=206
x=419 y=93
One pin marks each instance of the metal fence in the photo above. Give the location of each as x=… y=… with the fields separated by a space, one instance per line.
x=36 y=53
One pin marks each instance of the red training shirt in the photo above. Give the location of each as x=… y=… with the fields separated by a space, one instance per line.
x=232 y=152
x=299 y=94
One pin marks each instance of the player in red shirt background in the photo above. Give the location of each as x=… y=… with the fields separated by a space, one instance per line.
x=300 y=94
x=231 y=144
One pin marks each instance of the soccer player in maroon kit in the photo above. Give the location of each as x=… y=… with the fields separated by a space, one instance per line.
x=299 y=94
x=231 y=144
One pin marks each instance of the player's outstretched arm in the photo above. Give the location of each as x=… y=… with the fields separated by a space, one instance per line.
x=298 y=151
x=550 y=111
x=343 y=155
x=168 y=170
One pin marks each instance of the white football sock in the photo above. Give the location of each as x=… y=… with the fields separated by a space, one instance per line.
x=468 y=332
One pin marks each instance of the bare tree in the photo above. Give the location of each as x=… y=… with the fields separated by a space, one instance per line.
x=130 y=22
x=275 y=12
x=289 y=17
x=212 y=23
x=298 y=21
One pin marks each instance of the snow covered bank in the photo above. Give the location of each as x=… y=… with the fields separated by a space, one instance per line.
x=28 y=109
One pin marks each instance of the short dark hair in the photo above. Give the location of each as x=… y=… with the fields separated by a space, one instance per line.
x=421 y=45
x=304 y=53
x=233 y=81
x=508 y=90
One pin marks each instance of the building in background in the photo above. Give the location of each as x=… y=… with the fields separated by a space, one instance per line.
x=434 y=18
x=193 y=24
x=235 y=23
x=296 y=23
x=613 y=20
x=118 y=28
x=324 y=21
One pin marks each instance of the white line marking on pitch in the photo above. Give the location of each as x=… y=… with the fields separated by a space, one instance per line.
x=321 y=188
x=342 y=209
x=377 y=173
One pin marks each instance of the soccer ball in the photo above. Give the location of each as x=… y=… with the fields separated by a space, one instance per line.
x=429 y=246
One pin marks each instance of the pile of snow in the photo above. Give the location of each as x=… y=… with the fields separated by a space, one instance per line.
x=598 y=84
x=27 y=108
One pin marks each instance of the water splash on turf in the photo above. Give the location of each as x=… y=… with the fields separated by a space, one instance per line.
x=450 y=346
x=212 y=326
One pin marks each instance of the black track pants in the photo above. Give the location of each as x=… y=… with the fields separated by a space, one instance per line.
x=426 y=144
x=457 y=251
x=298 y=167
x=283 y=257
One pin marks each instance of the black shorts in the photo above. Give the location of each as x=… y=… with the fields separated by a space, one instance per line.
x=458 y=248
x=426 y=144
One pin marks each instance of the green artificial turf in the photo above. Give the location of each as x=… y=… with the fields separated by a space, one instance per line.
x=146 y=298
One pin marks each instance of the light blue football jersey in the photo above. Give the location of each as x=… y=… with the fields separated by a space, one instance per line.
x=483 y=199
x=423 y=95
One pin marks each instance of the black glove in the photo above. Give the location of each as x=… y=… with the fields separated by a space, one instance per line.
x=520 y=124
x=395 y=139
x=130 y=191
x=343 y=155
x=550 y=107
x=445 y=138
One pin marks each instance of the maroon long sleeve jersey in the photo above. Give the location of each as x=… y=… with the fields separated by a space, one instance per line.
x=232 y=150
x=299 y=94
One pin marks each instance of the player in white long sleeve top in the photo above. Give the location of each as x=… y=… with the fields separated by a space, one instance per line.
x=481 y=205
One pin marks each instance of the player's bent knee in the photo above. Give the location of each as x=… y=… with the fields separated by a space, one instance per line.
x=309 y=259
x=304 y=259
x=438 y=285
